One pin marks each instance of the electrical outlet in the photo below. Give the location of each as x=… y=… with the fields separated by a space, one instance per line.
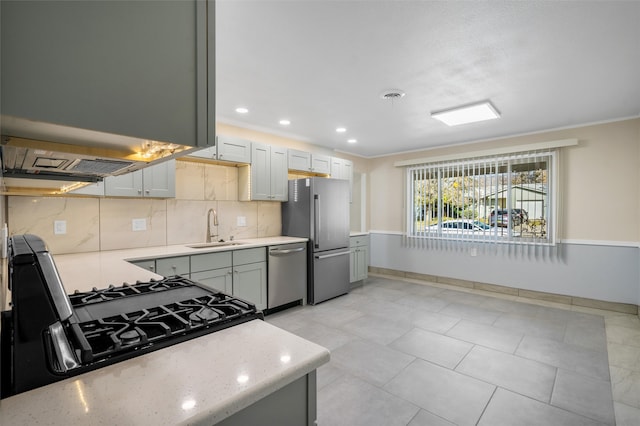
x=60 y=227
x=139 y=224
x=242 y=221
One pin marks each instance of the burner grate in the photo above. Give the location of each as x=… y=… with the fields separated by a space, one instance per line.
x=110 y=336
x=96 y=295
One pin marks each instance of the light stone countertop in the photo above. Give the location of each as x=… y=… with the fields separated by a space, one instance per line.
x=200 y=381
x=83 y=271
x=358 y=234
x=193 y=382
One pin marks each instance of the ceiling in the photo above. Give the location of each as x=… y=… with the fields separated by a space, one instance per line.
x=324 y=64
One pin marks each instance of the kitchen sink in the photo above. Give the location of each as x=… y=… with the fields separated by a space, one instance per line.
x=214 y=244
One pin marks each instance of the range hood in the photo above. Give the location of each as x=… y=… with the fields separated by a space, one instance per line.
x=52 y=156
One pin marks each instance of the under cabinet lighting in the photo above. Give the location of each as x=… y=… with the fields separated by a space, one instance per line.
x=467 y=114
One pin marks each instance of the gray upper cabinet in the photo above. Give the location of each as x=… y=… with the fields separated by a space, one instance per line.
x=343 y=169
x=143 y=69
x=227 y=148
x=266 y=179
x=307 y=162
x=233 y=149
x=321 y=164
x=299 y=160
x=154 y=181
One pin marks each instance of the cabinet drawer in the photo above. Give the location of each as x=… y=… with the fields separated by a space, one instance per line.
x=360 y=240
x=149 y=265
x=169 y=266
x=209 y=261
x=252 y=255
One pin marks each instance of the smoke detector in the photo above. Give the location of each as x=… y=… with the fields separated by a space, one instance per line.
x=392 y=95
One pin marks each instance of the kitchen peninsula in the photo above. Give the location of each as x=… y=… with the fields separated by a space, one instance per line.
x=231 y=376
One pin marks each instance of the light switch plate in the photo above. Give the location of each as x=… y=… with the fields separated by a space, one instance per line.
x=139 y=224
x=242 y=221
x=59 y=227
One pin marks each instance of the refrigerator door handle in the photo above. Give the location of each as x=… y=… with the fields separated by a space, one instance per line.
x=316 y=220
x=332 y=255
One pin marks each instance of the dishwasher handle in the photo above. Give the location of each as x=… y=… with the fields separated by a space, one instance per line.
x=281 y=252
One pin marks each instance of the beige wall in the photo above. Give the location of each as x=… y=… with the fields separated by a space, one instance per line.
x=600 y=191
x=106 y=223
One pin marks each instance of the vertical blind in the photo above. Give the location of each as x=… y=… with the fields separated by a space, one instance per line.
x=506 y=199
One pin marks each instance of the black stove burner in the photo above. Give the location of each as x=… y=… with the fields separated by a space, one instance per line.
x=126 y=290
x=107 y=337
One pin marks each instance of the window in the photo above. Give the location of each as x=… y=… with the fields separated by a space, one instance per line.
x=509 y=198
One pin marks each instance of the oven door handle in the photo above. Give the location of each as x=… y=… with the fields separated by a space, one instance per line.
x=66 y=359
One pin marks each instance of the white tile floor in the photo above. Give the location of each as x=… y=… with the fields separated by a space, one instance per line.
x=406 y=352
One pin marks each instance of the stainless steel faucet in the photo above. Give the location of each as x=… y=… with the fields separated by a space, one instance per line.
x=215 y=223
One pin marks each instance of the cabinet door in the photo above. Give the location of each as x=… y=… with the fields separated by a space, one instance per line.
x=353 y=266
x=279 y=174
x=160 y=180
x=299 y=160
x=233 y=149
x=361 y=263
x=250 y=283
x=321 y=164
x=217 y=279
x=127 y=185
x=134 y=68
x=260 y=172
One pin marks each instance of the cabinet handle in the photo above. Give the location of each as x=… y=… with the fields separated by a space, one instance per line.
x=220 y=156
x=147 y=191
x=151 y=268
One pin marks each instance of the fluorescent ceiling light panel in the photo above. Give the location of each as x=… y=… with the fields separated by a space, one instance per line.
x=467 y=114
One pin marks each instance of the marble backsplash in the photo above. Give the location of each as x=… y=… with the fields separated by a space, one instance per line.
x=102 y=223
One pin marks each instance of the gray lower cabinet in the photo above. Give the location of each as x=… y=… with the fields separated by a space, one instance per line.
x=213 y=270
x=359 y=254
x=149 y=264
x=242 y=273
x=250 y=275
x=170 y=266
x=292 y=405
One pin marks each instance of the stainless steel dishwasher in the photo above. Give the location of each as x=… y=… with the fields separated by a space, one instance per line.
x=287 y=274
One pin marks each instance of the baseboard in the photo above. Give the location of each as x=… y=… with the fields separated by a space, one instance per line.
x=626 y=308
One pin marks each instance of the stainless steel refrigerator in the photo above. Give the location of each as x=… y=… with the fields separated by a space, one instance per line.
x=318 y=209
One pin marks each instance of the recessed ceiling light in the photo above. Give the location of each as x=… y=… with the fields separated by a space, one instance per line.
x=467 y=114
x=352 y=140
x=242 y=110
x=285 y=122
x=341 y=129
